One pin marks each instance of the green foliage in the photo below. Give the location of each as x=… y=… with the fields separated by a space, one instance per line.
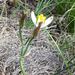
x=63 y=5
x=29 y=23
x=71 y=19
x=42 y=5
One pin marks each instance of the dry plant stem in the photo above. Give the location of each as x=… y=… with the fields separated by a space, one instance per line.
x=4 y=6
x=21 y=24
x=4 y=10
x=60 y=71
x=71 y=60
x=60 y=54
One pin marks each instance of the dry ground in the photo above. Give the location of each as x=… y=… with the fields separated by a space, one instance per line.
x=42 y=59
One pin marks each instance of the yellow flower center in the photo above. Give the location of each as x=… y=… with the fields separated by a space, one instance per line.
x=41 y=18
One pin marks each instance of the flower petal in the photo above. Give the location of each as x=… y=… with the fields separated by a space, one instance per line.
x=47 y=22
x=37 y=24
x=33 y=17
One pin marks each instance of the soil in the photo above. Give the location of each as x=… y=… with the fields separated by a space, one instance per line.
x=41 y=60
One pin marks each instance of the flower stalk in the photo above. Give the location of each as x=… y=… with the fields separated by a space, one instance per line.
x=39 y=22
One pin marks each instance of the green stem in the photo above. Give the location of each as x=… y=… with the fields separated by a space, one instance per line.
x=22 y=65
x=26 y=48
x=26 y=41
x=20 y=36
x=23 y=52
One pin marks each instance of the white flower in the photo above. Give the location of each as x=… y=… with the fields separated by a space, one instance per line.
x=41 y=18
